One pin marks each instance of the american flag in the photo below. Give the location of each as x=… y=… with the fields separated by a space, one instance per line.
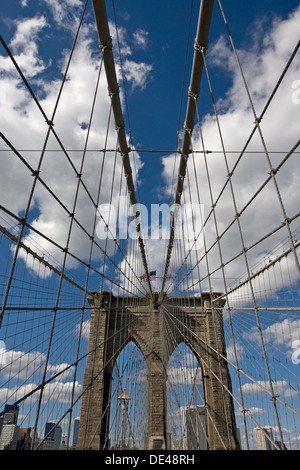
x=152 y=276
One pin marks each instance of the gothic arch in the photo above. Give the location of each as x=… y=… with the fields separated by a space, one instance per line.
x=129 y=373
x=201 y=325
x=186 y=414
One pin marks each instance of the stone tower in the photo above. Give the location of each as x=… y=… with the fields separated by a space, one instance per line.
x=115 y=321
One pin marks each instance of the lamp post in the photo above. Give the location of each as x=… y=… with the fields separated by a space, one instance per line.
x=124 y=399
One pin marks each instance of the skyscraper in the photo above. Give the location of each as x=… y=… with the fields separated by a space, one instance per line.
x=75 y=431
x=9 y=428
x=11 y=414
x=194 y=428
x=53 y=434
x=264 y=438
x=9 y=437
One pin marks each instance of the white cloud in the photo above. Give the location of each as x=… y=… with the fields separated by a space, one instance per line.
x=120 y=41
x=61 y=392
x=58 y=391
x=231 y=350
x=137 y=73
x=24 y=46
x=27 y=31
x=85 y=329
x=280 y=387
x=24 y=365
x=65 y=14
x=280 y=333
x=64 y=371
x=14 y=394
x=140 y=38
x=16 y=364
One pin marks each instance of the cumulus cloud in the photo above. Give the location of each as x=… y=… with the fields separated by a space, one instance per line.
x=18 y=364
x=137 y=73
x=120 y=39
x=65 y=14
x=85 y=329
x=28 y=366
x=60 y=392
x=63 y=370
x=279 y=333
x=280 y=387
x=24 y=46
x=232 y=352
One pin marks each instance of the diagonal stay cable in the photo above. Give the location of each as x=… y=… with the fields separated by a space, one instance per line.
x=113 y=89
x=244 y=151
x=201 y=42
x=262 y=139
x=212 y=350
x=55 y=197
x=36 y=173
x=61 y=248
x=50 y=123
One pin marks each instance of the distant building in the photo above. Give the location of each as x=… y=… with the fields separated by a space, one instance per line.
x=9 y=437
x=75 y=431
x=194 y=428
x=177 y=444
x=9 y=428
x=64 y=443
x=280 y=445
x=24 y=439
x=11 y=414
x=238 y=437
x=52 y=436
x=264 y=438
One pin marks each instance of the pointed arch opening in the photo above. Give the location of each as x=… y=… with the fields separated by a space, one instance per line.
x=128 y=413
x=186 y=412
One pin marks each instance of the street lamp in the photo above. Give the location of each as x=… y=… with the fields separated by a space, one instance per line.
x=124 y=402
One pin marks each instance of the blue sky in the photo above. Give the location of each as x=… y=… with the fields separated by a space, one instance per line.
x=154 y=38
